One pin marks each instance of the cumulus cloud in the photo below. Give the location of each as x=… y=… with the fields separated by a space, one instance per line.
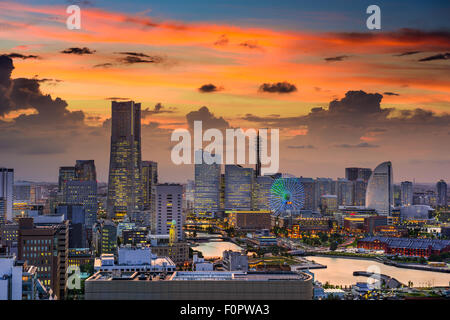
x=279 y=87
x=209 y=120
x=157 y=109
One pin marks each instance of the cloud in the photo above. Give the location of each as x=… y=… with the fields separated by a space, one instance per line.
x=206 y=88
x=408 y=53
x=22 y=56
x=157 y=109
x=117 y=99
x=251 y=44
x=222 y=41
x=78 y=51
x=334 y=59
x=135 y=59
x=359 y=145
x=136 y=54
x=104 y=65
x=279 y=87
x=209 y=120
x=441 y=56
x=391 y=93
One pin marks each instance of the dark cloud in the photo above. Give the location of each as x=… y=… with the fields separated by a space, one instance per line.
x=104 y=65
x=391 y=93
x=359 y=145
x=334 y=59
x=441 y=56
x=22 y=56
x=206 y=88
x=408 y=53
x=222 y=41
x=157 y=109
x=135 y=54
x=117 y=99
x=250 y=44
x=209 y=120
x=78 y=51
x=279 y=87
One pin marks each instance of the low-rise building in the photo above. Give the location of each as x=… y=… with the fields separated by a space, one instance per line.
x=234 y=261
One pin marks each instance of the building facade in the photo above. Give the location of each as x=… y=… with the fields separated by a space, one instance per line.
x=380 y=193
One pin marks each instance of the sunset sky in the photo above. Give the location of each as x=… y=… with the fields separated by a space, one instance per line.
x=341 y=95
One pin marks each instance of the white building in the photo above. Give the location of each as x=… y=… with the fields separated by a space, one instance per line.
x=6 y=192
x=201 y=265
x=134 y=259
x=169 y=205
x=10 y=279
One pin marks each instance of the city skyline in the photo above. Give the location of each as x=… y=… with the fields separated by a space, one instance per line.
x=341 y=95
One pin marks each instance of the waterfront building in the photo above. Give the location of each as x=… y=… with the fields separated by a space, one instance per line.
x=309 y=190
x=379 y=195
x=125 y=166
x=249 y=220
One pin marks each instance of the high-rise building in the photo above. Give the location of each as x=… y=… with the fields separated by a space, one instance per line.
x=125 y=166
x=76 y=216
x=149 y=181
x=309 y=190
x=322 y=186
x=207 y=186
x=359 y=192
x=169 y=198
x=261 y=195
x=83 y=193
x=85 y=170
x=406 y=193
x=239 y=183
x=22 y=192
x=66 y=174
x=104 y=236
x=6 y=192
x=344 y=192
x=46 y=246
x=442 y=193
x=379 y=194
x=358 y=173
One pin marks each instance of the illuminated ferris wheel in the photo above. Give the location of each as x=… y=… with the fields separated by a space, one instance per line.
x=286 y=195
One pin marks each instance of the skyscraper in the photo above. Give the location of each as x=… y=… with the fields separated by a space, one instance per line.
x=85 y=170
x=380 y=193
x=358 y=173
x=322 y=186
x=66 y=174
x=6 y=192
x=207 y=186
x=263 y=184
x=344 y=192
x=359 y=192
x=308 y=188
x=238 y=187
x=125 y=166
x=442 y=193
x=406 y=193
x=149 y=181
x=83 y=193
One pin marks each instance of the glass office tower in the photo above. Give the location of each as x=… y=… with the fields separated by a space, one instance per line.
x=380 y=193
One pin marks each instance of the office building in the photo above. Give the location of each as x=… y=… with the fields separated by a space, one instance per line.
x=441 y=187
x=263 y=185
x=85 y=170
x=125 y=166
x=6 y=192
x=359 y=192
x=66 y=174
x=309 y=190
x=322 y=186
x=406 y=193
x=178 y=252
x=344 y=192
x=83 y=192
x=234 y=261
x=379 y=195
x=105 y=237
x=328 y=203
x=239 y=183
x=149 y=182
x=76 y=215
x=353 y=174
x=207 y=186
x=249 y=220
x=45 y=245
x=169 y=209
x=22 y=192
